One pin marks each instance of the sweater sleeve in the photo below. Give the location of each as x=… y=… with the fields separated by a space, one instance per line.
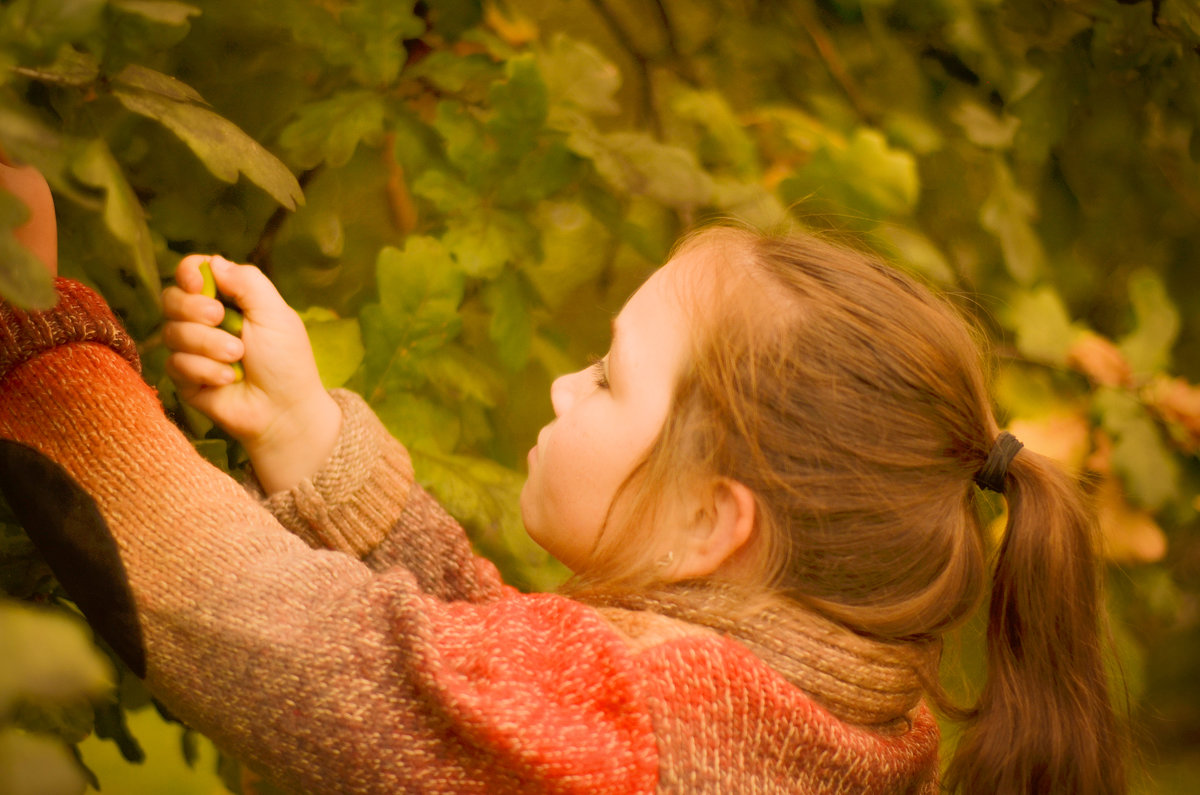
x=323 y=674
x=364 y=502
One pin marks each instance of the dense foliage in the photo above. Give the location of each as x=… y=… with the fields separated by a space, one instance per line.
x=457 y=194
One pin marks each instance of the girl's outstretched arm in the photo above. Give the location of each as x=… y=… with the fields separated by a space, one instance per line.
x=326 y=675
x=329 y=470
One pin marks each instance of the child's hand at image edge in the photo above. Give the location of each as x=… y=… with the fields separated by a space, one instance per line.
x=279 y=411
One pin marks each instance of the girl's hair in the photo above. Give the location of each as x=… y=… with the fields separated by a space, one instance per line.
x=852 y=402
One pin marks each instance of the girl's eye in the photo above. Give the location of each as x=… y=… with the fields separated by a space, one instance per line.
x=599 y=370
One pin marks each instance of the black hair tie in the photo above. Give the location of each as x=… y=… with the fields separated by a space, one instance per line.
x=995 y=468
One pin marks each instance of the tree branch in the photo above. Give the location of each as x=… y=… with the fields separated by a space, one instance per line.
x=641 y=63
x=260 y=255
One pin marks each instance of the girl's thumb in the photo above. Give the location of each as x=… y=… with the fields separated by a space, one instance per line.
x=246 y=286
x=39 y=233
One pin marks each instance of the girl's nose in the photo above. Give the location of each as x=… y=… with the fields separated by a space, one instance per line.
x=563 y=392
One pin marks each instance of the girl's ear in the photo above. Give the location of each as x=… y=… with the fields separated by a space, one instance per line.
x=722 y=523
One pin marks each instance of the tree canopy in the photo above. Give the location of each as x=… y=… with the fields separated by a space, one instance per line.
x=457 y=193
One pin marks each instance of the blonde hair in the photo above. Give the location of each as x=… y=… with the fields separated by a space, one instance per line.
x=852 y=402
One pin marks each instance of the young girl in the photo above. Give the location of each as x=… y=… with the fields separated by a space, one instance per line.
x=768 y=491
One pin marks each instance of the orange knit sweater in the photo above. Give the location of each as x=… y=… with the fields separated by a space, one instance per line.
x=342 y=637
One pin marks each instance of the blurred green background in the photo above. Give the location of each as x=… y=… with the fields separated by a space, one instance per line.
x=458 y=194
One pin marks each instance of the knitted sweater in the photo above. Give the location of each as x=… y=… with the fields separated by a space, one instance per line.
x=342 y=637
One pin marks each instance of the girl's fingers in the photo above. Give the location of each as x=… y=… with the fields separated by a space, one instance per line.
x=199 y=339
x=191 y=307
x=191 y=372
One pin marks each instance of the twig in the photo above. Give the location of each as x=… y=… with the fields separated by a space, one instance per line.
x=665 y=20
x=260 y=255
x=641 y=62
x=400 y=200
x=833 y=62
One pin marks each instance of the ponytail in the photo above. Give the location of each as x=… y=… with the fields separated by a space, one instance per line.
x=1044 y=722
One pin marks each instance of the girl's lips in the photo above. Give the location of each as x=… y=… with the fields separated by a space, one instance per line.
x=533 y=451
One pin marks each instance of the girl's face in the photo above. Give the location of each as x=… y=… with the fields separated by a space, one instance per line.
x=606 y=419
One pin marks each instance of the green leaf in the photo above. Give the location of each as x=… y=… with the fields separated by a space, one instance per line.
x=1140 y=456
x=1044 y=110
x=726 y=142
x=330 y=130
x=336 y=342
x=538 y=175
x=95 y=167
x=1148 y=346
x=380 y=27
x=45 y=24
x=36 y=765
x=447 y=192
x=223 y=148
x=862 y=173
x=983 y=127
x=460 y=376
x=464 y=141
x=511 y=326
x=164 y=12
x=633 y=162
x=1043 y=327
x=914 y=250
x=749 y=202
x=575 y=248
x=215 y=451
x=24 y=280
x=578 y=75
x=418 y=422
x=70 y=68
x=453 y=18
x=70 y=720
x=111 y=725
x=1008 y=213
x=47 y=656
x=421 y=281
x=420 y=289
x=520 y=105
x=453 y=73
x=482 y=243
x=137 y=76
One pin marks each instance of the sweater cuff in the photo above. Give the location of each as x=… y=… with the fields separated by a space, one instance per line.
x=79 y=316
x=358 y=495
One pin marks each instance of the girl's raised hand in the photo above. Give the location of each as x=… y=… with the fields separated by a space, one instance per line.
x=39 y=233
x=279 y=410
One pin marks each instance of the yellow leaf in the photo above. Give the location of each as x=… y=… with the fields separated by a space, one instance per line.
x=1062 y=436
x=517 y=31
x=1129 y=535
x=1178 y=403
x=1099 y=359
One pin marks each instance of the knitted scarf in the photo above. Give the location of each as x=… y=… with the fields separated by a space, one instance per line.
x=860 y=680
